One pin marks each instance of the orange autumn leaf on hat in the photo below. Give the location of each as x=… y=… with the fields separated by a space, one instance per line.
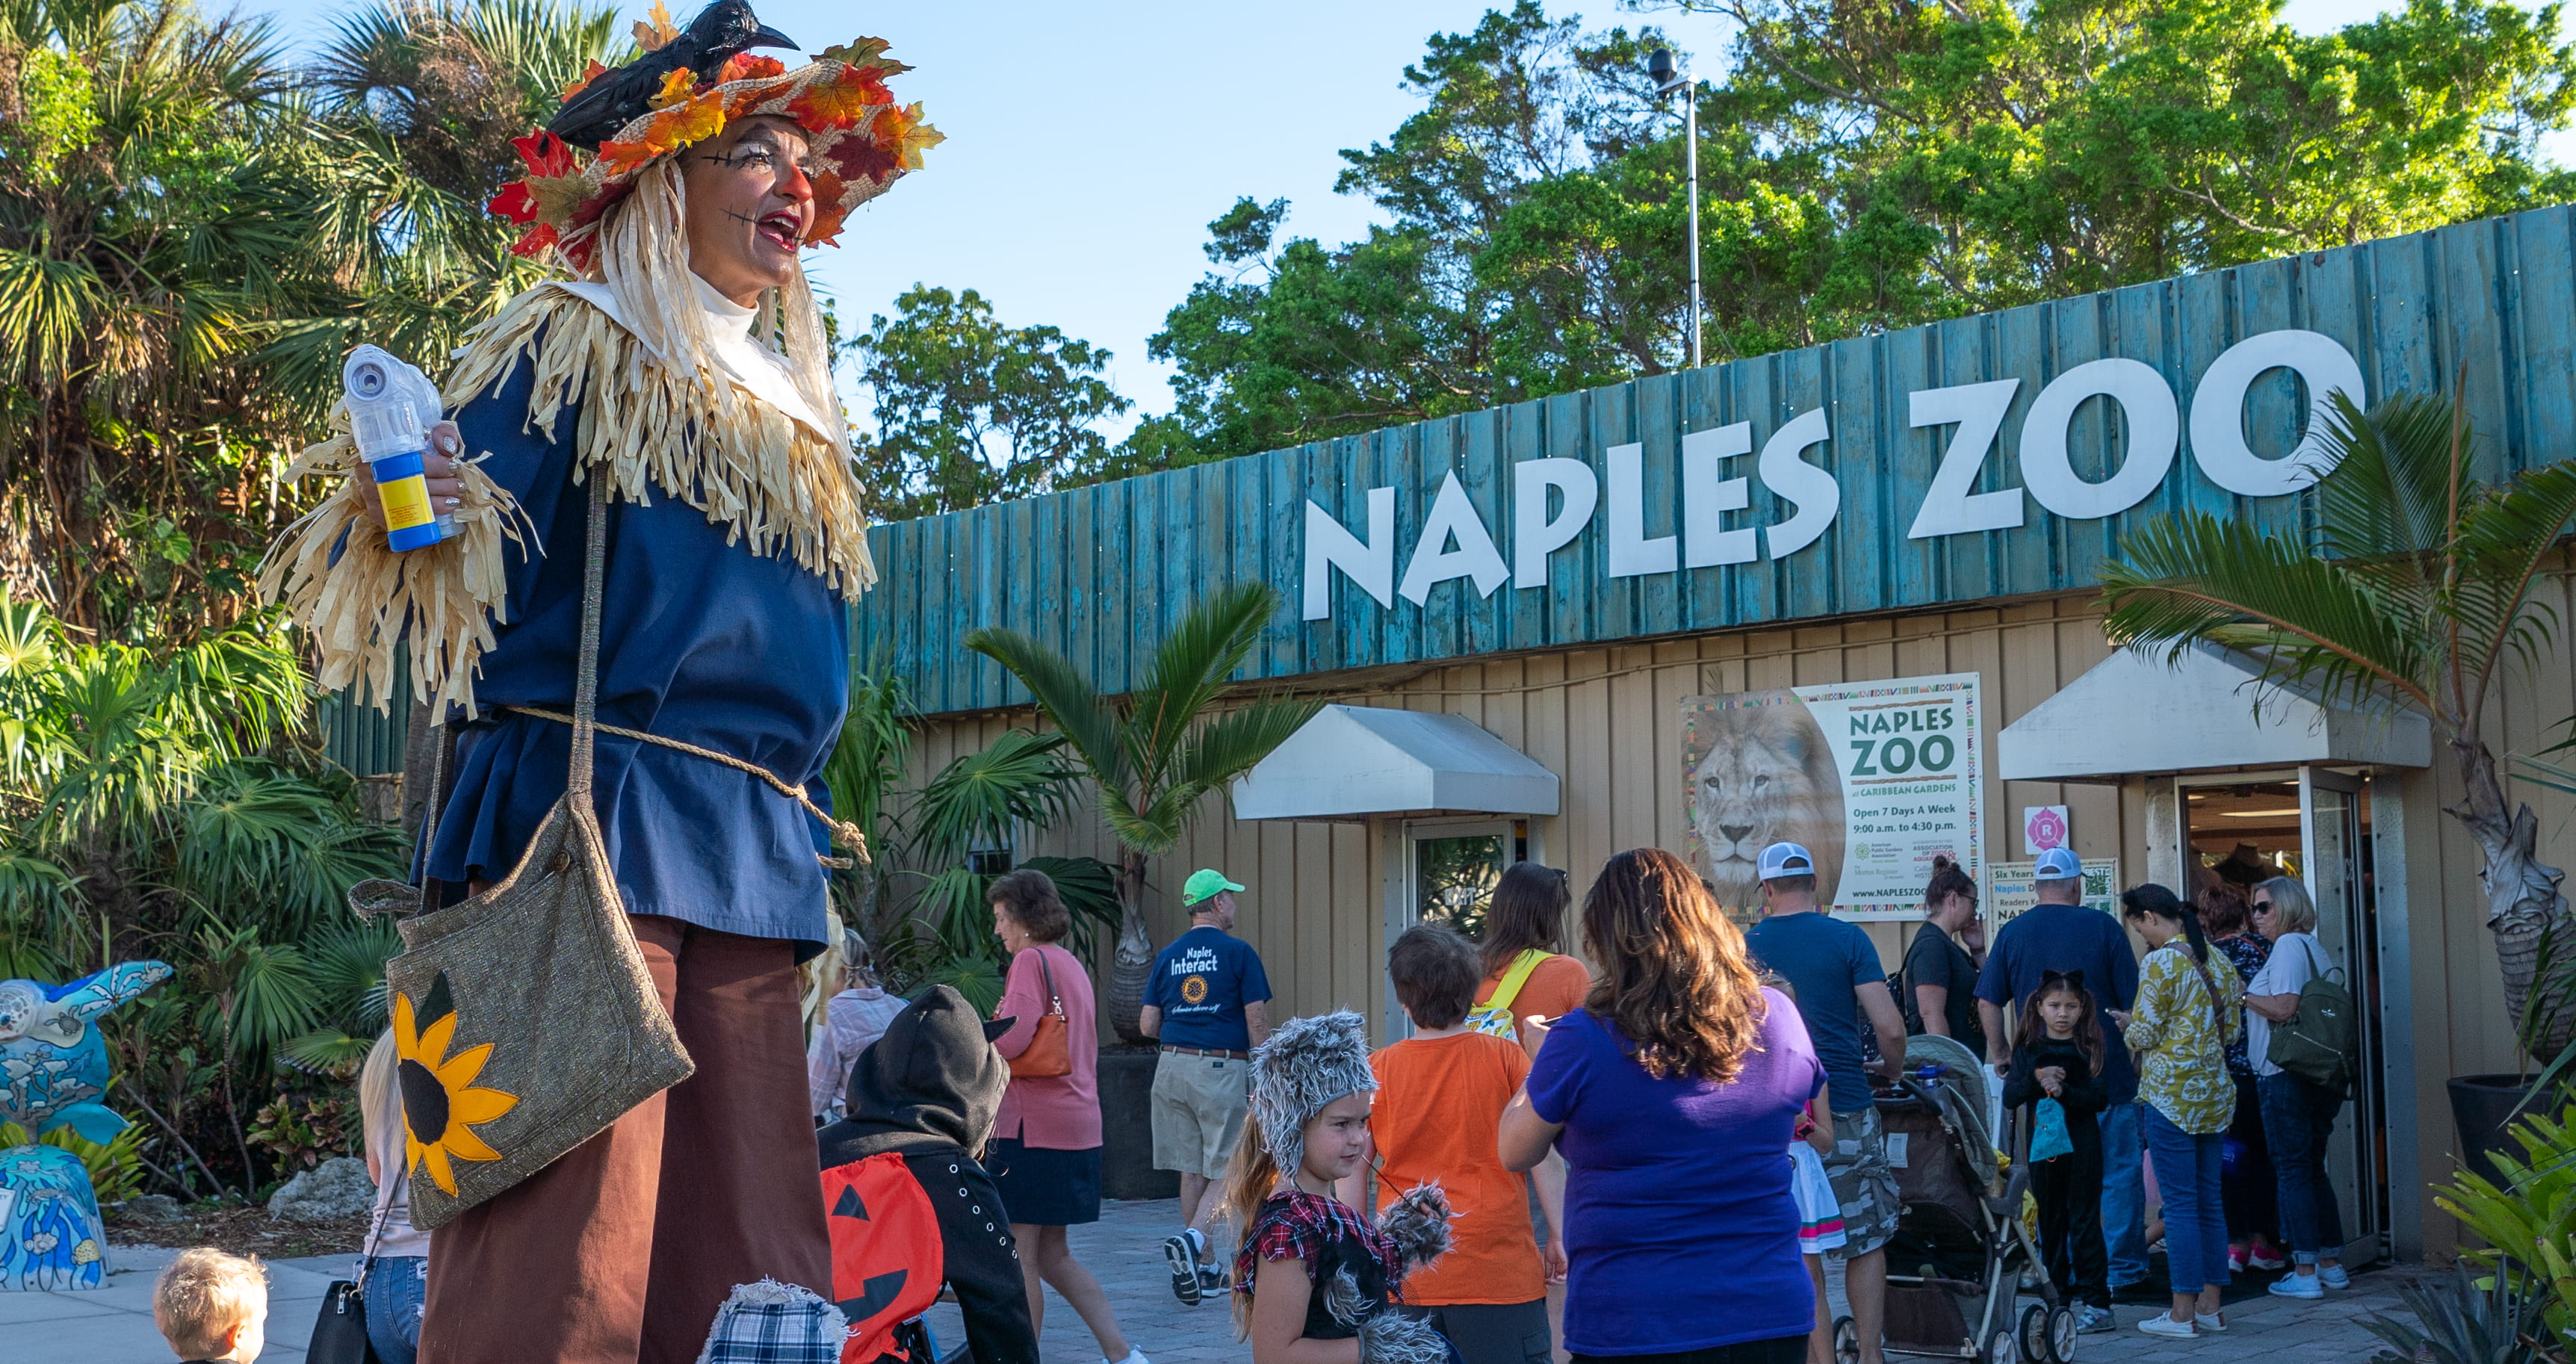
x=625 y=158
x=745 y=66
x=838 y=103
x=591 y=71
x=685 y=124
x=676 y=86
x=902 y=133
x=656 y=31
x=828 y=218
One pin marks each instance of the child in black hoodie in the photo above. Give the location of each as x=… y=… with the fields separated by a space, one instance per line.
x=2059 y=1061
x=928 y=1092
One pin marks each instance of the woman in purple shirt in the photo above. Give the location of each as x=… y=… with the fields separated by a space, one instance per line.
x=1672 y=1094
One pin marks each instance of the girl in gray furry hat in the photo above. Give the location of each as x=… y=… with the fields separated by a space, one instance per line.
x=1315 y=1282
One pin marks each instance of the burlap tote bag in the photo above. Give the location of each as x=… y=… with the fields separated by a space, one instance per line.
x=524 y=1017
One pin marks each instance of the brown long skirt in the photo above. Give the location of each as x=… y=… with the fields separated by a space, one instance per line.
x=621 y=1251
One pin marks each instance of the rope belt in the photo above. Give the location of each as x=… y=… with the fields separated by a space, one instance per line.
x=844 y=833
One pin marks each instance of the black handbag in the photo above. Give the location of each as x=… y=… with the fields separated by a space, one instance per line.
x=340 y=1331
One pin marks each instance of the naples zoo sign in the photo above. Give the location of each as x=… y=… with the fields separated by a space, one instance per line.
x=1708 y=515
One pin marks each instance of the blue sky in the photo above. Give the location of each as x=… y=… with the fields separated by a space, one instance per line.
x=1090 y=144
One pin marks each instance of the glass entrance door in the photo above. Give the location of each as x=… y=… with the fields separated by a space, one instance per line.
x=2310 y=823
x=2335 y=827
x=1449 y=869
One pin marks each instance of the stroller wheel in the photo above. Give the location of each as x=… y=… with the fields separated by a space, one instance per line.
x=2061 y=1336
x=1846 y=1341
x=2038 y=1335
x=2003 y=1347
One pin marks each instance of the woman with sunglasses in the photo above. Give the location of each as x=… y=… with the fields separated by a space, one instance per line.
x=2297 y=1116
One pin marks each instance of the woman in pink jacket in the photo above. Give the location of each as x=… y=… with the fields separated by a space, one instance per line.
x=1045 y=1153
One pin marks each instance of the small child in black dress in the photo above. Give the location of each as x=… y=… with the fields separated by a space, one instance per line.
x=2061 y=1061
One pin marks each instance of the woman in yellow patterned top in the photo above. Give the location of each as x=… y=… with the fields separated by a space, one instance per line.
x=2179 y=1031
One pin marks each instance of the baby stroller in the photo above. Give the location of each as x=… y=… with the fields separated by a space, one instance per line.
x=1963 y=1257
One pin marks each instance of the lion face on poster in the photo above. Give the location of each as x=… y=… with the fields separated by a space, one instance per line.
x=1767 y=776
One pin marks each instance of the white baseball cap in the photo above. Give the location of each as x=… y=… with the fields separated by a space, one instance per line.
x=1785 y=859
x=2056 y=864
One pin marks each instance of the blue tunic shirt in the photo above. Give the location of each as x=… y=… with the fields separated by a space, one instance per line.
x=700 y=641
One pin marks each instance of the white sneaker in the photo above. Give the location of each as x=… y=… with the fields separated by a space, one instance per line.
x=2163 y=1324
x=1134 y=1356
x=2210 y=1323
x=2297 y=1286
x=2333 y=1276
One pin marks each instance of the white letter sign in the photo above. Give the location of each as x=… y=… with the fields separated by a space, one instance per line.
x=2218 y=410
x=1631 y=553
x=1330 y=545
x=1814 y=491
x=1535 y=534
x=1453 y=517
x=1949 y=508
x=2155 y=429
x=1706 y=497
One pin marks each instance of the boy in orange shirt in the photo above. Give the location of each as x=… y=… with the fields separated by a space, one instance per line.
x=1439 y=1105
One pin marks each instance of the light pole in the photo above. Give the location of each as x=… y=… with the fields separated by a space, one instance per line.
x=1669 y=81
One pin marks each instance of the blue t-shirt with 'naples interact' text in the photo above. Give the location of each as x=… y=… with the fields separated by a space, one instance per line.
x=2047 y=938
x=1679 y=1228
x=1825 y=960
x=1201 y=983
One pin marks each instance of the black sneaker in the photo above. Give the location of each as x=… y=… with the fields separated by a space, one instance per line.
x=1183 y=1256
x=1211 y=1282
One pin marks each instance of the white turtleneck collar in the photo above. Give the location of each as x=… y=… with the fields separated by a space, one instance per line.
x=754 y=368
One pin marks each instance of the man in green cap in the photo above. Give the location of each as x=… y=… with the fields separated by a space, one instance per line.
x=1208 y=1000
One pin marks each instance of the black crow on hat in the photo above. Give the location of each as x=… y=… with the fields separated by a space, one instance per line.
x=619 y=97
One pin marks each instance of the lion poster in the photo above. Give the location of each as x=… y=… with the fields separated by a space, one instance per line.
x=1874 y=778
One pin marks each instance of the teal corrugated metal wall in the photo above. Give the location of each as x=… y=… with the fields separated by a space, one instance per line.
x=1102 y=572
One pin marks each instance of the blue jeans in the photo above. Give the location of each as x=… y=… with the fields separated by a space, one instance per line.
x=396 y=1291
x=2187 y=1174
x=2297 y=1119
x=2124 y=1193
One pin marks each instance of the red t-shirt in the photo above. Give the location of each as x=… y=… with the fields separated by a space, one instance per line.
x=1437 y=1115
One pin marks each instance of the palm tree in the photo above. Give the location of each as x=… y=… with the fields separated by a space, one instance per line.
x=1156 y=752
x=155 y=221
x=2418 y=588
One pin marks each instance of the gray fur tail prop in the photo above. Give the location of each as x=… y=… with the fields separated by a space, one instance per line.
x=1388 y=1335
x=1418 y=1222
x=1306 y=1064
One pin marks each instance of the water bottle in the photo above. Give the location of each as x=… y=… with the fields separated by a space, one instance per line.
x=391 y=407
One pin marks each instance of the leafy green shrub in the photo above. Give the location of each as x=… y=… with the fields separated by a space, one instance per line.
x=303 y=1132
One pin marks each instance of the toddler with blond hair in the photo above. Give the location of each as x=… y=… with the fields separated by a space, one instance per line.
x=212 y=1307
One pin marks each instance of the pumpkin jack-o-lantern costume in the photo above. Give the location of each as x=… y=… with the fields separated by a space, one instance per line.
x=732 y=544
x=908 y=1204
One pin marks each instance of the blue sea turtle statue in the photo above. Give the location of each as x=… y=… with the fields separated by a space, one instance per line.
x=53 y=1068
x=50 y=1233
x=53 y=1063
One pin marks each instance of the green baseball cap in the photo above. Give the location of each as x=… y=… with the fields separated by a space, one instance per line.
x=1204 y=884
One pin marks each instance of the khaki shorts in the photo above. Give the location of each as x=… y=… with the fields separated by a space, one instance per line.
x=1199 y=1107
x=1864 y=1183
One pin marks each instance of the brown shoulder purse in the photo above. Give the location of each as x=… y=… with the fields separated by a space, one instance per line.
x=1050 y=1049
x=525 y=1018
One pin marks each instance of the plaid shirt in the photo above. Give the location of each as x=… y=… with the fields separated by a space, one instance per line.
x=1299 y=1225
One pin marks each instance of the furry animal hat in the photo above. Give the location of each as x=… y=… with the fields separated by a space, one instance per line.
x=1306 y=1064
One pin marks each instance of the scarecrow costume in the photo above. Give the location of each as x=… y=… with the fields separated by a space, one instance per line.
x=1358 y=1267
x=734 y=543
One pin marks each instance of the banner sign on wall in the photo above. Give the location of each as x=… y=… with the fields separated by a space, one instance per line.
x=2009 y=890
x=2044 y=827
x=1874 y=778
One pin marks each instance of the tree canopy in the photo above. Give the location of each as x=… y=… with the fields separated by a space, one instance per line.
x=1864 y=164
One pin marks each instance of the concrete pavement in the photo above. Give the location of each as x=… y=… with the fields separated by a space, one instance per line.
x=113 y=1325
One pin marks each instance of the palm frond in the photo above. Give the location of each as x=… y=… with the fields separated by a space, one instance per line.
x=981 y=798
x=1068 y=701
x=1191 y=667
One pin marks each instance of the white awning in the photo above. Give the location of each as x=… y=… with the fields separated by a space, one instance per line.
x=1353 y=761
x=2132 y=713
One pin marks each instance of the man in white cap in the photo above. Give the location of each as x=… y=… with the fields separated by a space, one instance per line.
x=1841 y=987
x=2059 y=934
